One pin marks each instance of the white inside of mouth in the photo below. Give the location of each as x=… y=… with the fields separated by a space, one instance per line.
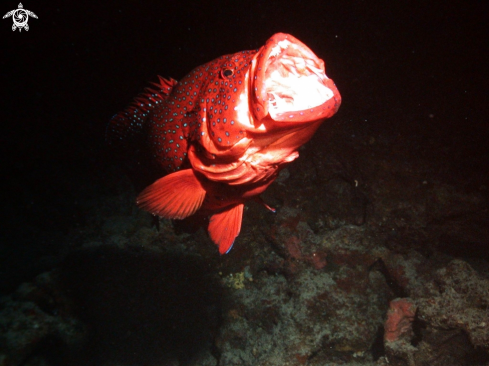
x=294 y=82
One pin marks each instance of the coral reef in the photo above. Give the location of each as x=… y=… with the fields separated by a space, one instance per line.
x=399 y=320
x=303 y=286
x=38 y=319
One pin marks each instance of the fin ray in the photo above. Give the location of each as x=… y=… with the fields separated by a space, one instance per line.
x=225 y=226
x=129 y=123
x=175 y=196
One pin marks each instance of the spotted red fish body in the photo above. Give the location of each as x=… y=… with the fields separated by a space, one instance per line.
x=227 y=128
x=200 y=109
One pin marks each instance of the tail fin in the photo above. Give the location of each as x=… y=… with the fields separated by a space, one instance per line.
x=126 y=125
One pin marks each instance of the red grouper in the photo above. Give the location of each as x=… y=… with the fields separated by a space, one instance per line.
x=223 y=133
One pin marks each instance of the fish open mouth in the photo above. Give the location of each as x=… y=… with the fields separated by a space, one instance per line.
x=290 y=79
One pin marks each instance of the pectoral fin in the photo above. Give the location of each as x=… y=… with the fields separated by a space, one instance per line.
x=224 y=227
x=175 y=196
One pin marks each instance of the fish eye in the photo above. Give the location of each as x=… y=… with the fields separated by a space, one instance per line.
x=227 y=73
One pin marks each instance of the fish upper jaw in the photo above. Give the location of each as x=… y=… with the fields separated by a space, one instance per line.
x=289 y=83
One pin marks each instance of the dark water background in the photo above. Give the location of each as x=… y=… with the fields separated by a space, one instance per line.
x=412 y=71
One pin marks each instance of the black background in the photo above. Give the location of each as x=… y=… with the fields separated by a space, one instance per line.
x=82 y=62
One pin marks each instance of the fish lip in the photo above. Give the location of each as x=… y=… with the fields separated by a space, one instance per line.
x=285 y=49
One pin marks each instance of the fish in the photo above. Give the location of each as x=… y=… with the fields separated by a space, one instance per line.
x=221 y=135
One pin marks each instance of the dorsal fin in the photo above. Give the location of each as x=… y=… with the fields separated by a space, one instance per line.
x=125 y=125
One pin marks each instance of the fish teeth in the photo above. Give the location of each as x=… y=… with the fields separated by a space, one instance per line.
x=277 y=50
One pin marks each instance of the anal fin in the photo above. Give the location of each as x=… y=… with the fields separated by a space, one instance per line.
x=175 y=196
x=225 y=226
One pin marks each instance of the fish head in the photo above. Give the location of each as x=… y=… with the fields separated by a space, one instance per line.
x=281 y=86
x=223 y=110
x=257 y=108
